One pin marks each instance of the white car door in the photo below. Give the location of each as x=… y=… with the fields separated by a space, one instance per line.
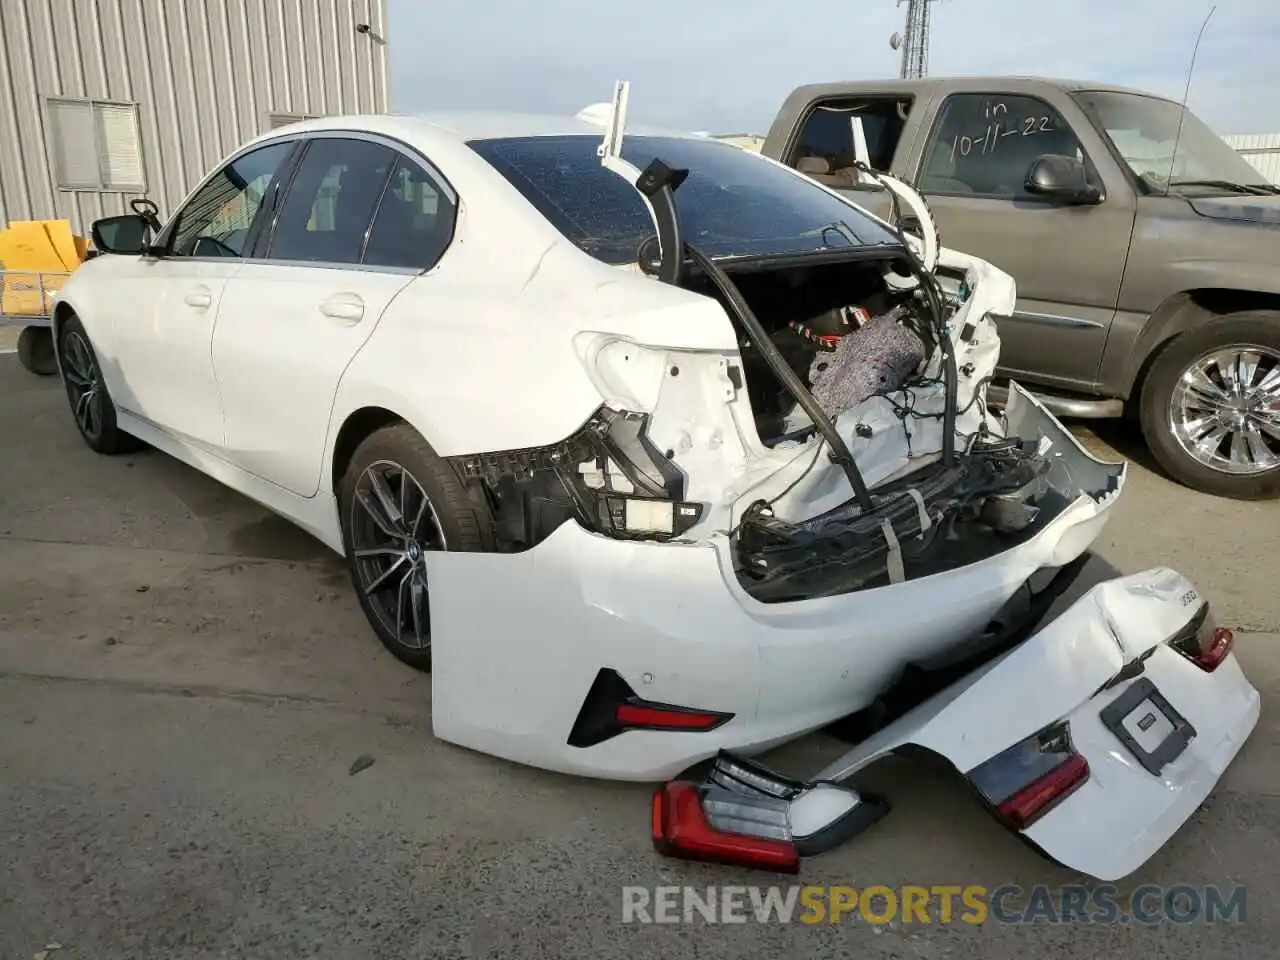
x=162 y=325
x=358 y=222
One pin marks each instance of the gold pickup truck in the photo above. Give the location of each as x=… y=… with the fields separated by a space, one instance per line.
x=1145 y=249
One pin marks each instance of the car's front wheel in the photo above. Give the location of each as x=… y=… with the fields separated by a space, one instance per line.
x=91 y=403
x=399 y=500
x=1210 y=407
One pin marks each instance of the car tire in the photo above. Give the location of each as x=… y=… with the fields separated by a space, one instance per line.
x=92 y=408
x=35 y=351
x=1188 y=401
x=398 y=499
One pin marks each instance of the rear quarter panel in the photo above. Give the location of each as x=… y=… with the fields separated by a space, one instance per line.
x=480 y=360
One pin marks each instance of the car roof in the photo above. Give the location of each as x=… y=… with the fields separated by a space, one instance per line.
x=485 y=126
x=464 y=126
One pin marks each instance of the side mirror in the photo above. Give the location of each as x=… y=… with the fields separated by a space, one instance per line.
x=124 y=234
x=1063 y=179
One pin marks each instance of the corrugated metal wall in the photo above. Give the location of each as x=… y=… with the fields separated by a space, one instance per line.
x=206 y=75
x=1262 y=150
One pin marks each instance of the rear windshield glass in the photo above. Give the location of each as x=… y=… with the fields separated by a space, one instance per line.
x=733 y=204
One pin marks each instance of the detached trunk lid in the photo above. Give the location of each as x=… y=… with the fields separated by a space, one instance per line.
x=1155 y=729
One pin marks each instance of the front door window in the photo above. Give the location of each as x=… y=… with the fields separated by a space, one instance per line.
x=217 y=220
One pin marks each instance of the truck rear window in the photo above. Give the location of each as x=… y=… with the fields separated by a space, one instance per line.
x=734 y=203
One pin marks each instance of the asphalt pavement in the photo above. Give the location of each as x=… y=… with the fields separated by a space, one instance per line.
x=186 y=684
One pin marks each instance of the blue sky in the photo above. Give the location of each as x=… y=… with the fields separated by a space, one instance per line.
x=725 y=65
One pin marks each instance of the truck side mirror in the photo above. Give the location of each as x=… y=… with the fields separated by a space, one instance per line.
x=1060 y=178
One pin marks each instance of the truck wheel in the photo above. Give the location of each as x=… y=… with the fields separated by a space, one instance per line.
x=35 y=351
x=1210 y=407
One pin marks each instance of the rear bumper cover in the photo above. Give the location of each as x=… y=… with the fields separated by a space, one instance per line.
x=509 y=678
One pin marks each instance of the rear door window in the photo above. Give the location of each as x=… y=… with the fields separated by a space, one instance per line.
x=414 y=222
x=327 y=212
x=826 y=146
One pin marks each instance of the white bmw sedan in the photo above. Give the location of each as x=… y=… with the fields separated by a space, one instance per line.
x=651 y=448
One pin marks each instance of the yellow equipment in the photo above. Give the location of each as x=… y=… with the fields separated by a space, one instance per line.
x=36 y=256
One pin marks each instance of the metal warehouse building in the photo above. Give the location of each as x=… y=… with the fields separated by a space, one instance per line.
x=103 y=101
x=1262 y=150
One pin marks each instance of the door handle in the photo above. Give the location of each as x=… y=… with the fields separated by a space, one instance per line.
x=199 y=298
x=347 y=307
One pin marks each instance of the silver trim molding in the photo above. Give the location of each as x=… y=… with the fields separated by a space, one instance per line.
x=1057 y=320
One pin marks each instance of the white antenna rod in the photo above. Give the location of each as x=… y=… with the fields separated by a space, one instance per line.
x=1186 y=95
x=611 y=147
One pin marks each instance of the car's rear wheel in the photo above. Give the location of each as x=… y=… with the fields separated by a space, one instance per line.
x=1210 y=407
x=399 y=501
x=91 y=404
x=35 y=351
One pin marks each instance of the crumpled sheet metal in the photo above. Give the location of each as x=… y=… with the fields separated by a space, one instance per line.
x=879 y=356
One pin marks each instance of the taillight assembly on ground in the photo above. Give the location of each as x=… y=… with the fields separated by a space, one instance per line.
x=681 y=829
x=1203 y=642
x=746 y=815
x=1029 y=779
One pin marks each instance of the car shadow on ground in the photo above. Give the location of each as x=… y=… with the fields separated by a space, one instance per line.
x=1124 y=436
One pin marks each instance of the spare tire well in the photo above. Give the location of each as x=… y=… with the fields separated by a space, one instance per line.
x=354 y=429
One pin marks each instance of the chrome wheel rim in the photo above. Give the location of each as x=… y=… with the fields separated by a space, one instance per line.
x=1225 y=410
x=393 y=527
x=83 y=383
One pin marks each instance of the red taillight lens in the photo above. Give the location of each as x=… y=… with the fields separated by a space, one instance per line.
x=680 y=829
x=1037 y=798
x=652 y=717
x=1220 y=642
x=1029 y=779
x=1203 y=642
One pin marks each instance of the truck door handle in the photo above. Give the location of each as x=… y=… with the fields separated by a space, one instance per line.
x=199 y=298
x=347 y=307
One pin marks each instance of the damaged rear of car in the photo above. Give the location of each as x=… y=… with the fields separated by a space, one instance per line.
x=791 y=492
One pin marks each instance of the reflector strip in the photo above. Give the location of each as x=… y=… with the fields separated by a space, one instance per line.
x=667 y=718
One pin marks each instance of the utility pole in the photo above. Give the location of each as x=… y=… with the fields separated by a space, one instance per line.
x=915 y=44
